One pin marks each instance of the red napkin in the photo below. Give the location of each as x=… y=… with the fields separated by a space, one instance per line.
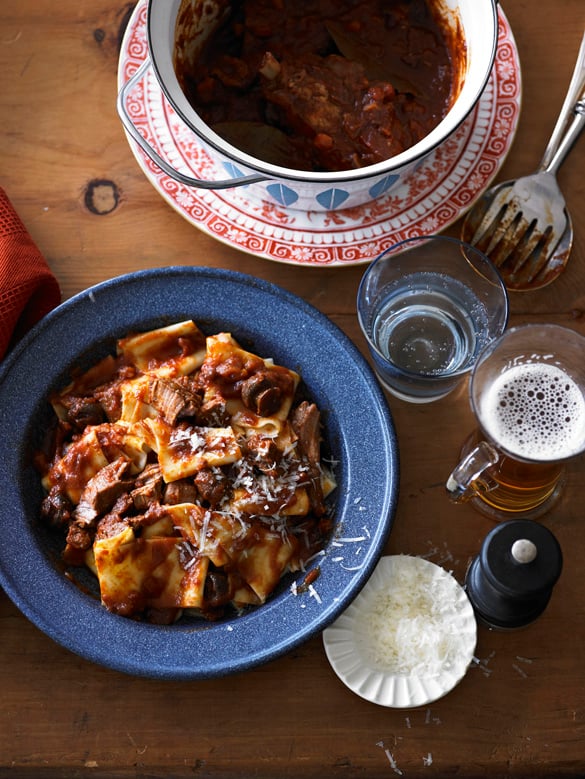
x=28 y=289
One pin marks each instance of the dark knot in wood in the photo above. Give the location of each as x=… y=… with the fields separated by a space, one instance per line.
x=101 y=196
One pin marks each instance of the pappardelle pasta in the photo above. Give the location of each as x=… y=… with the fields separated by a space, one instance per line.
x=186 y=474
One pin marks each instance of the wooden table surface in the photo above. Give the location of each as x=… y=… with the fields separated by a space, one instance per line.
x=520 y=711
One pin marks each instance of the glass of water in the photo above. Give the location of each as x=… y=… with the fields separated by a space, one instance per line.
x=427 y=307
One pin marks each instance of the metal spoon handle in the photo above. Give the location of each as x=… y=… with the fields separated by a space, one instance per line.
x=568 y=139
x=575 y=93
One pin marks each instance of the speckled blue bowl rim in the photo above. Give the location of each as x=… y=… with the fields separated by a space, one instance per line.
x=277 y=324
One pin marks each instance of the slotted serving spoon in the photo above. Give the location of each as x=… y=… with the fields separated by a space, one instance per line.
x=523 y=225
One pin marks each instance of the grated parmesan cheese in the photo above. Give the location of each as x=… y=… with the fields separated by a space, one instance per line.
x=411 y=627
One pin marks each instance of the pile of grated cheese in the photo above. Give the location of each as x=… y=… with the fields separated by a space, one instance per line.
x=412 y=626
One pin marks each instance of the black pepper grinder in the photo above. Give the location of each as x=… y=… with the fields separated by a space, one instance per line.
x=511 y=580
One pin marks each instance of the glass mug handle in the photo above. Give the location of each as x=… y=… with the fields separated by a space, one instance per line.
x=472 y=476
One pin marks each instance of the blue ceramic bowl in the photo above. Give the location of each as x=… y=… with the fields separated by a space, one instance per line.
x=359 y=434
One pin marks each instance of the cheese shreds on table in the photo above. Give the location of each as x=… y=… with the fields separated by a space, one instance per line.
x=412 y=626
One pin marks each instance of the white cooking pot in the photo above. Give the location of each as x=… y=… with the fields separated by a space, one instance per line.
x=299 y=189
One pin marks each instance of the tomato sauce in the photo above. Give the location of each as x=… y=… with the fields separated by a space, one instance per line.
x=326 y=85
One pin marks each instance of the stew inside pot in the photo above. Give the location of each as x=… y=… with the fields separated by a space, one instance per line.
x=324 y=85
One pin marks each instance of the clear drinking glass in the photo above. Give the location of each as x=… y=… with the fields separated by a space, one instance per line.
x=527 y=392
x=427 y=307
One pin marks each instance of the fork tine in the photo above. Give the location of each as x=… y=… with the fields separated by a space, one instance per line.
x=502 y=248
x=516 y=236
x=496 y=224
x=539 y=243
x=526 y=243
x=511 y=241
x=541 y=252
x=488 y=220
x=506 y=235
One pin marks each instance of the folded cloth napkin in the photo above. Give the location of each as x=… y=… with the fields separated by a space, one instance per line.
x=28 y=289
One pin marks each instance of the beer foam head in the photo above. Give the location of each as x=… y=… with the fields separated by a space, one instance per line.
x=535 y=411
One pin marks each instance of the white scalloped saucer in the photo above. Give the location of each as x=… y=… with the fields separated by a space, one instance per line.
x=349 y=640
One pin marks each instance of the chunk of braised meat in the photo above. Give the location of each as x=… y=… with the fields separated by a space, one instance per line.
x=214 y=413
x=123 y=504
x=211 y=485
x=148 y=487
x=261 y=394
x=79 y=540
x=84 y=411
x=151 y=471
x=102 y=490
x=97 y=395
x=351 y=120
x=79 y=537
x=180 y=491
x=110 y=398
x=110 y=525
x=56 y=508
x=145 y=519
x=54 y=445
x=217 y=591
x=191 y=384
x=264 y=453
x=233 y=72
x=313 y=535
x=173 y=400
x=306 y=422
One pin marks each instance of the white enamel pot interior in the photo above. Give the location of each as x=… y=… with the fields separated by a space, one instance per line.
x=287 y=187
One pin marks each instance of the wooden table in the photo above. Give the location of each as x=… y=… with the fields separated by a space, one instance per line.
x=520 y=711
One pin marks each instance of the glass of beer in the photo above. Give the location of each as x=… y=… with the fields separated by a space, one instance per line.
x=527 y=392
